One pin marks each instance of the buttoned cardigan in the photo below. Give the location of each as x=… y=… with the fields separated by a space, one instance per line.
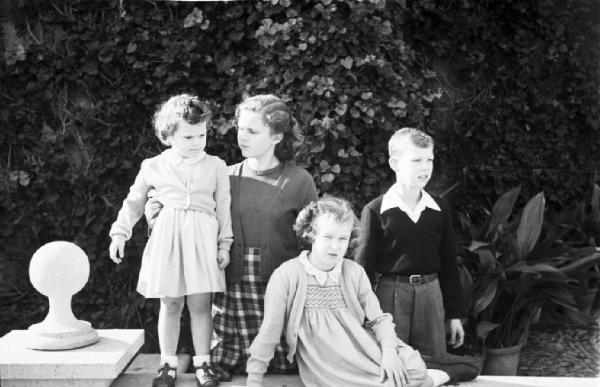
x=207 y=190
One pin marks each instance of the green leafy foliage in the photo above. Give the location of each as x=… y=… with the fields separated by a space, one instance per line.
x=516 y=105
x=513 y=268
x=509 y=91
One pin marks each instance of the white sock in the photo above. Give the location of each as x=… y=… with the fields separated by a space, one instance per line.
x=439 y=377
x=199 y=359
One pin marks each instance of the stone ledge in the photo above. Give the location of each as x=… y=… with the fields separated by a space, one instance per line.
x=143 y=369
x=95 y=365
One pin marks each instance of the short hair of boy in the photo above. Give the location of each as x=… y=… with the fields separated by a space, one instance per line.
x=417 y=137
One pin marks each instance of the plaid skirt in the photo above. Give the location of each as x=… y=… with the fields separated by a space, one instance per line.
x=238 y=313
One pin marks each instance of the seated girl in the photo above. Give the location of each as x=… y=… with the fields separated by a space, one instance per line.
x=333 y=324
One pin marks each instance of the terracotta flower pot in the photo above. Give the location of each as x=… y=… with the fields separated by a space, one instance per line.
x=502 y=361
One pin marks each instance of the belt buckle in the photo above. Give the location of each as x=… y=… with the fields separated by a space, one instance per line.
x=416 y=279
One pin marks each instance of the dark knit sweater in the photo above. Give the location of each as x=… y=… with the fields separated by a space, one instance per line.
x=391 y=243
x=263 y=212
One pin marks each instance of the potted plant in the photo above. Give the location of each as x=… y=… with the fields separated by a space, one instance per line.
x=582 y=266
x=510 y=280
x=579 y=230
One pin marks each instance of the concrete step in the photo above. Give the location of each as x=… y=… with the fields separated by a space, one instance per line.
x=143 y=369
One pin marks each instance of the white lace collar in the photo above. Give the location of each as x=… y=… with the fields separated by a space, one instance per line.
x=320 y=275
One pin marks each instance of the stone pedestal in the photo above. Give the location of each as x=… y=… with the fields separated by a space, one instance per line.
x=96 y=365
x=58 y=270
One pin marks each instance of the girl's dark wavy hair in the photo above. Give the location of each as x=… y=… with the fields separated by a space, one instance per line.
x=339 y=208
x=184 y=107
x=278 y=117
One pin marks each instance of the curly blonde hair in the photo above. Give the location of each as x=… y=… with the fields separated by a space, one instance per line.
x=278 y=117
x=340 y=209
x=184 y=107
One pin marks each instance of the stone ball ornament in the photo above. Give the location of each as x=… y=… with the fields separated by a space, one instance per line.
x=58 y=270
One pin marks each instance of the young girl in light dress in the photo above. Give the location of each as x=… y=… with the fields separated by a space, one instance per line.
x=189 y=246
x=333 y=324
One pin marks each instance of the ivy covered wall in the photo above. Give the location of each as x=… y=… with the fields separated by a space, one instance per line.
x=509 y=90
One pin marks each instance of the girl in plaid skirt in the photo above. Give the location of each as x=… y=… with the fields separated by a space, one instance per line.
x=268 y=191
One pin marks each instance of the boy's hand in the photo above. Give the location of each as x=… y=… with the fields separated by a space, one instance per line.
x=151 y=211
x=223 y=259
x=393 y=367
x=116 y=249
x=457 y=334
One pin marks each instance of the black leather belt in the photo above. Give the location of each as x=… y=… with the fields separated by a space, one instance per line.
x=415 y=279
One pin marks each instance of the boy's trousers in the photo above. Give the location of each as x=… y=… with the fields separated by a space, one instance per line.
x=418 y=312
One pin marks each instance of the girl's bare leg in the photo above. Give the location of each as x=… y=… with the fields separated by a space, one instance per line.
x=199 y=306
x=169 y=322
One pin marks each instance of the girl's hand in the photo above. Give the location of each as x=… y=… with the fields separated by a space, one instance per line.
x=457 y=333
x=393 y=367
x=223 y=259
x=116 y=249
x=151 y=211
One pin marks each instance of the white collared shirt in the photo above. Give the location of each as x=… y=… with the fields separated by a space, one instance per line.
x=391 y=199
x=320 y=275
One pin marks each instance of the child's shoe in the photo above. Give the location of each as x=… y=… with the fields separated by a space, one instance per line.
x=459 y=368
x=166 y=377
x=222 y=374
x=205 y=376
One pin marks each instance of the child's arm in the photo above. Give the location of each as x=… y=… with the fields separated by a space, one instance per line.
x=152 y=209
x=132 y=209
x=379 y=322
x=223 y=212
x=450 y=283
x=370 y=230
x=310 y=193
x=116 y=250
x=269 y=335
x=449 y=278
x=392 y=365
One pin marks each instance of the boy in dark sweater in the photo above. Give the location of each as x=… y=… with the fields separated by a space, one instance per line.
x=407 y=247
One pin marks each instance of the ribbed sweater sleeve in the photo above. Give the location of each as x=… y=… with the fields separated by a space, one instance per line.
x=310 y=191
x=222 y=199
x=269 y=335
x=133 y=205
x=449 y=278
x=370 y=233
x=379 y=322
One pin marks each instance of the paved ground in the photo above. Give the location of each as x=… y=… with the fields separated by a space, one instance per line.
x=559 y=350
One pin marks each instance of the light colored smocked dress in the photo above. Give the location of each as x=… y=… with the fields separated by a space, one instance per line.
x=333 y=348
x=180 y=257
